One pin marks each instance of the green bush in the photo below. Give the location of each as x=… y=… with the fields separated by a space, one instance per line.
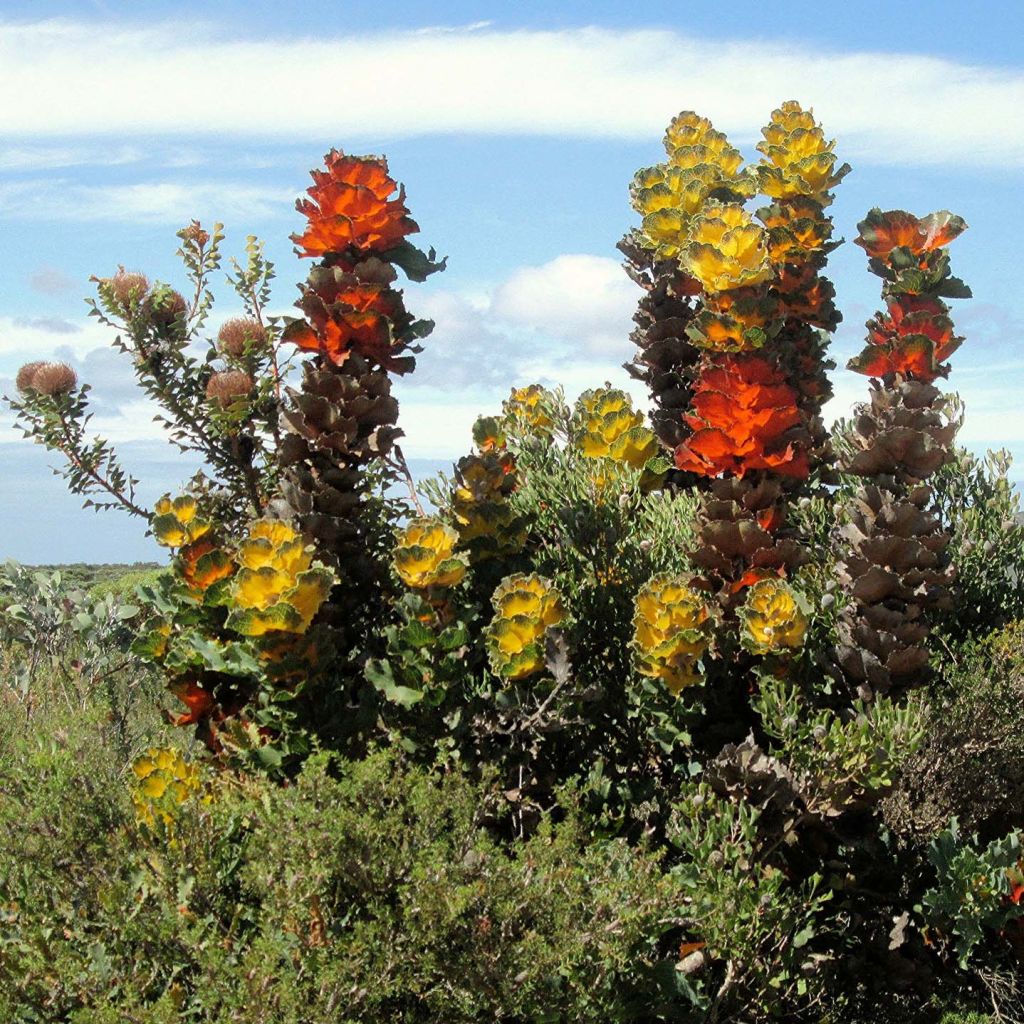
x=363 y=892
x=971 y=763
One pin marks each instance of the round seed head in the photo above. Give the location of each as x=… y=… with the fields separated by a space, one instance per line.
x=54 y=379
x=128 y=287
x=23 y=381
x=228 y=386
x=236 y=333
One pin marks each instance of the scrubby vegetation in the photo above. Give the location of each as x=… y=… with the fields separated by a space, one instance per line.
x=712 y=719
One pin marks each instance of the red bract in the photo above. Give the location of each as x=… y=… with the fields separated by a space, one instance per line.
x=914 y=338
x=350 y=205
x=200 y=702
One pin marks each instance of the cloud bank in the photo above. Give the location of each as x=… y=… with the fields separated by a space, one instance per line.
x=88 y=80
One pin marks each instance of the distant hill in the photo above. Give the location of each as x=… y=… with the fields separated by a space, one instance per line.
x=86 y=575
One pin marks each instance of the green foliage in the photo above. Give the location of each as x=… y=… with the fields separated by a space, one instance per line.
x=972 y=894
x=597 y=535
x=365 y=891
x=982 y=511
x=747 y=914
x=840 y=762
x=54 y=635
x=971 y=762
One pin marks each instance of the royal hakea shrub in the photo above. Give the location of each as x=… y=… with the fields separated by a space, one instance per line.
x=744 y=390
x=892 y=548
x=342 y=416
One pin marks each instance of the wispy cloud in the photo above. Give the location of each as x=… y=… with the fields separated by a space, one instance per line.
x=21 y=158
x=156 y=201
x=889 y=108
x=52 y=281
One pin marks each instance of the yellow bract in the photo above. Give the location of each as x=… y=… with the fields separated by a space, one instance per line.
x=525 y=607
x=176 y=521
x=609 y=427
x=425 y=555
x=527 y=411
x=798 y=159
x=165 y=780
x=701 y=164
x=485 y=520
x=670 y=631
x=687 y=129
x=772 y=619
x=277 y=587
x=726 y=249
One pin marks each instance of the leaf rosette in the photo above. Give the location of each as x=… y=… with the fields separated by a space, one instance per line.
x=278 y=587
x=425 y=555
x=671 y=631
x=726 y=249
x=525 y=608
x=176 y=521
x=774 y=618
x=352 y=203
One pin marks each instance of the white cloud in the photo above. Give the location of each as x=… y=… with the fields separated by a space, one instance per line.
x=585 y=300
x=24 y=338
x=87 y=79
x=565 y=323
x=156 y=202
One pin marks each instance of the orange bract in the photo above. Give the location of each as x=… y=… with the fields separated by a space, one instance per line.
x=200 y=703
x=345 y=315
x=883 y=231
x=203 y=563
x=743 y=407
x=912 y=339
x=350 y=205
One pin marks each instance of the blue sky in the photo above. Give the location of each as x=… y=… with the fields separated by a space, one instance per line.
x=516 y=129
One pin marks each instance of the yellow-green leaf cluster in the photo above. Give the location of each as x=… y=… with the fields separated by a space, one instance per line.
x=278 y=587
x=798 y=160
x=176 y=521
x=726 y=249
x=773 y=619
x=671 y=631
x=528 y=412
x=164 y=781
x=489 y=434
x=484 y=519
x=701 y=165
x=525 y=608
x=738 y=320
x=425 y=554
x=608 y=427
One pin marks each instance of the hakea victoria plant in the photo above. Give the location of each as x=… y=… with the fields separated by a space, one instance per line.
x=732 y=337
x=892 y=547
